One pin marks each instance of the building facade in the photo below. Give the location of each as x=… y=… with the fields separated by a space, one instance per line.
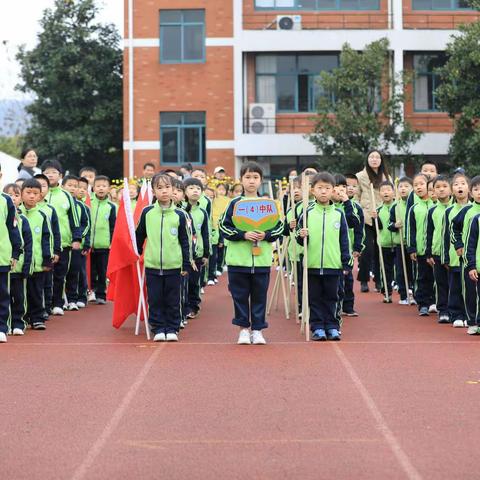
x=213 y=82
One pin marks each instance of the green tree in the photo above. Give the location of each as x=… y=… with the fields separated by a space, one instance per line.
x=75 y=76
x=11 y=145
x=354 y=116
x=459 y=94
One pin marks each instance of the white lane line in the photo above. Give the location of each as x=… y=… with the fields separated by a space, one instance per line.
x=114 y=421
x=403 y=459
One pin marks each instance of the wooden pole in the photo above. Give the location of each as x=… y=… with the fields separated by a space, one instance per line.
x=293 y=261
x=402 y=246
x=305 y=324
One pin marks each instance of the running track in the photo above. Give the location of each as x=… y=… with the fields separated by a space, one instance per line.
x=398 y=398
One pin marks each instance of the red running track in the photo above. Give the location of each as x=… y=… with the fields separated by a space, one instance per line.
x=397 y=398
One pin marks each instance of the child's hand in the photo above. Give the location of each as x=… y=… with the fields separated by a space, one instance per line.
x=459 y=252
x=56 y=258
x=183 y=273
x=431 y=261
x=374 y=214
x=205 y=261
x=413 y=257
x=473 y=274
x=220 y=245
x=252 y=236
x=399 y=224
x=260 y=236
x=46 y=269
x=303 y=232
x=75 y=245
x=194 y=266
x=13 y=263
x=293 y=224
x=343 y=196
x=356 y=254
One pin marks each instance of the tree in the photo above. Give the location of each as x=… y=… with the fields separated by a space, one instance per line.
x=11 y=145
x=459 y=94
x=75 y=75
x=361 y=109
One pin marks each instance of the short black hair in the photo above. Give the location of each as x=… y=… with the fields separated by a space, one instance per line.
x=31 y=183
x=251 y=167
x=41 y=176
x=192 y=181
x=313 y=165
x=405 y=180
x=198 y=169
x=440 y=178
x=421 y=175
x=461 y=175
x=162 y=178
x=340 y=179
x=178 y=184
x=475 y=181
x=82 y=180
x=101 y=178
x=148 y=164
x=166 y=171
x=66 y=178
x=26 y=150
x=55 y=164
x=87 y=169
x=386 y=183
x=323 y=177
x=429 y=162
x=187 y=166
x=12 y=186
x=351 y=176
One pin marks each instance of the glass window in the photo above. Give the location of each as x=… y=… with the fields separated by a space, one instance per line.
x=441 y=5
x=182 y=36
x=182 y=137
x=320 y=4
x=426 y=81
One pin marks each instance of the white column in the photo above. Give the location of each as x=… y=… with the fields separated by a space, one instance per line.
x=398 y=69
x=238 y=109
x=130 y=89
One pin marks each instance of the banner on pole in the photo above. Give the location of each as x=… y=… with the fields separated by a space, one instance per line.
x=260 y=214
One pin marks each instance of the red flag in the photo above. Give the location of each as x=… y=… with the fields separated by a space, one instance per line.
x=123 y=288
x=144 y=199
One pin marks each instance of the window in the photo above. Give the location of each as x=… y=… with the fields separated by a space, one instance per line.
x=318 y=4
x=426 y=81
x=182 y=36
x=290 y=81
x=441 y=5
x=182 y=137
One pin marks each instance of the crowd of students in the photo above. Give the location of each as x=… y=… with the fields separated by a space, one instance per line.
x=419 y=236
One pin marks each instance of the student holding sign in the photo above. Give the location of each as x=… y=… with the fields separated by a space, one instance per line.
x=250 y=224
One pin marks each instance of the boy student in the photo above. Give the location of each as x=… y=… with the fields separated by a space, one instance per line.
x=103 y=215
x=388 y=240
x=397 y=223
x=249 y=258
x=200 y=221
x=89 y=173
x=460 y=228
x=20 y=273
x=449 y=257
x=472 y=267
x=70 y=233
x=328 y=257
x=435 y=221
x=52 y=216
x=168 y=255
x=430 y=170
x=70 y=184
x=82 y=291
x=42 y=248
x=416 y=233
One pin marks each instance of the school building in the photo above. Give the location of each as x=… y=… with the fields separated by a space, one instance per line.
x=214 y=82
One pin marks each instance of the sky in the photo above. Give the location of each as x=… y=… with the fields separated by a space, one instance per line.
x=19 y=24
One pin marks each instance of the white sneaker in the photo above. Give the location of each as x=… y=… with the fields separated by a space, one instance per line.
x=258 y=338
x=473 y=330
x=432 y=309
x=403 y=302
x=81 y=305
x=216 y=281
x=210 y=283
x=244 y=337
x=458 y=324
x=58 y=311
x=17 y=331
x=3 y=337
x=159 y=337
x=172 y=337
x=72 y=307
x=219 y=273
x=225 y=268
x=91 y=297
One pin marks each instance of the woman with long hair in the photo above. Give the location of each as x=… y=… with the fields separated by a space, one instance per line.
x=28 y=168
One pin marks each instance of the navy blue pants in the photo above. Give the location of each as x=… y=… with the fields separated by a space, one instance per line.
x=35 y=307
x=48 y=291
x=424 y=294
x=184 y=297
x=193 y=297
x=341 y=296
x=389 y=263
x=440 y=273
x=98 y=273
x=456 y=305
x=470 y=296
x=164 y=302
x=73 y=277
x=212 y=263
x=4 y=302
x=348 y=295
x=60 y=271
x=221 y=257
x=82 y=280
x=249 y=293
x=18 y=307
x=400 y=274
x=322 y=300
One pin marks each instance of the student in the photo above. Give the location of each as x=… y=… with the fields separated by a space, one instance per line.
x=70 y=233
x=168 y=255
x=327 y=233
x=201 y=252
x=20 y=273
x=460 y=227
x=83 y=197
x=449 y=257
x=89 y=173
x=388 y=240
x=210 y=193
x=237 y=190
x=416 y=233
x=52 y=216
x=103 y=216
x=397 y=223
x=472 y=268
x=435 y=221
x=133 y=192
x=42 y=251
x=430 y=170
x=249 y=274
x=219 y=205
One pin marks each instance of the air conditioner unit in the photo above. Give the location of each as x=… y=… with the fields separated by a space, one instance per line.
x=289 y=22
x=261 y=118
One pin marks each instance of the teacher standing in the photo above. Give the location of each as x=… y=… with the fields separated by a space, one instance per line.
x=374 y=173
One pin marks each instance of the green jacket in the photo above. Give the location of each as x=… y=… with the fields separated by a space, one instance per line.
x=294 y=249
x=68 y=220
x=52 y=216
x=201 y=238
x=417 y=227
x=461 y=224
x=355 y=222
x=9 y=234
x=24 y=265
x=398 y=212
x=435 y=229
x=103 y=216
x=447 y=253
x=168 y=249
x=472 y=246
x=327 y=241
x=239 y=257
x=388 y=238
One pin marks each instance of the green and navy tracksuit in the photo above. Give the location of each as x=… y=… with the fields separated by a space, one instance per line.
x=69 y=225
x=86 y=245
x=42 y=256
x=103 y=216
x=389 y=241
x=168 y=252
x=417 y=243
x=201 y=241
x=435 y=230
x=459 y=229
x=11 y=248
x=472 y=262
x=329 y=256
x=248 y=274
x=75 y=275
x=20 y=274
x=205 y=203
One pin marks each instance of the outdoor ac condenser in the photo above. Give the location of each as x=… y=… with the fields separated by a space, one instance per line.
x=261 y=118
